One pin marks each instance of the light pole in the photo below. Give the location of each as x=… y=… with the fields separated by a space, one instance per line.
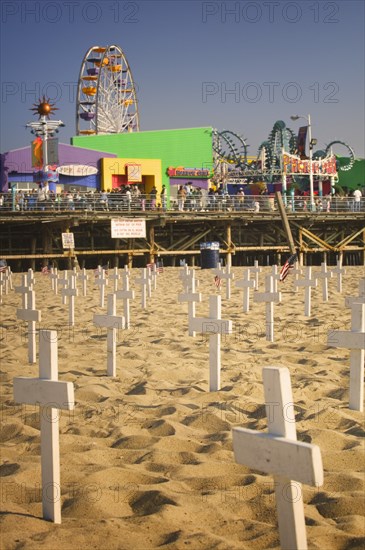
x=311 y=143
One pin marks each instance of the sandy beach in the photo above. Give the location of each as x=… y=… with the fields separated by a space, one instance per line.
x=146 y=457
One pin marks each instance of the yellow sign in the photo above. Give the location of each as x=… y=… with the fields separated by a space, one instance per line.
x=134 y=172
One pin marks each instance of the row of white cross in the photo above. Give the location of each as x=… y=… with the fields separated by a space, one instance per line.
x=277 y=453
x=213 y=325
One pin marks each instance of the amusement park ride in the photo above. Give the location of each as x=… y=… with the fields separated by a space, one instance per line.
x=232 y=162
x=106 y=96
x=107 y=104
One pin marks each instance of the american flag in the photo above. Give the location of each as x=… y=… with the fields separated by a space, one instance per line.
x=45 y=270
x=217 y=282
x=104 y=267
x=159 y=267
x=289 y=264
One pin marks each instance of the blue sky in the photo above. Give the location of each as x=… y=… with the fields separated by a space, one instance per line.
x=277 y=59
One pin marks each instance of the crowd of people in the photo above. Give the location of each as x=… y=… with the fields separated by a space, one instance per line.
x=187 y=198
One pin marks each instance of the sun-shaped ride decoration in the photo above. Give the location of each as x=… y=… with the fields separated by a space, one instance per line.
x=44 y=107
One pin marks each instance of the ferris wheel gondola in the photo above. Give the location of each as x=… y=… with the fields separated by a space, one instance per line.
x=106 y=95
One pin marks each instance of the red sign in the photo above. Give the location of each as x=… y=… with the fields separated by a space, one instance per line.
x=181 y=172
x=294 y=165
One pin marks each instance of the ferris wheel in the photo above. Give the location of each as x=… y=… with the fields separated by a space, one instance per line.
x=106 y=94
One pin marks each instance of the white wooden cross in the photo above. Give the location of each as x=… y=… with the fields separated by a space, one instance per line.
x=32 y=315
x=278 y=453
x=6 y=279
x=145 y=282
x=50 y=394
x=23 y=289
x=30 y=277
x=152 y=269
x=10 y=277
x=54 y=279
x=149 y=283
x=187 y=281
x=360 y=299
x=64 y=284
x=83 y=277
x=355 y=341
x=308 y=283
x=269 y=297
x=246 y=284
x=184 y=272
x=275 y=277
x=324 y=275
x=296 y=270
x=225 y=273
x=339 y=271
x=191 y=297
x=102 y=282
x=256 y=270
x=112 y=323
x=213 y=326
x=70 y=292
x=125 y=294
x=115 y=278
x=3 y=285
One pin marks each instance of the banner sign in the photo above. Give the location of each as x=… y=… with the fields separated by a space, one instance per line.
x=301 y=140
x=37 y=152
x=52 y=151
x=124 y=228
x=181 y=172
x=68 y=240
x=294 y=165
x=81 y=170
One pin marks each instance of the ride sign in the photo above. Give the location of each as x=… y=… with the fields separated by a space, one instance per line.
x=128 y=229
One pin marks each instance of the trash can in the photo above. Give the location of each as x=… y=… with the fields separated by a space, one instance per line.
x=209 y=255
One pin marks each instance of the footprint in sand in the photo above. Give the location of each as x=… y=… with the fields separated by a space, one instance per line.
x=10 y=431
x=138 y=389
x=307 y=362
x=134 y=442
x=337 y=394
x=8 y=469
x=159 y=427
x=165 y=411
x=169 y=538
x=149 y=502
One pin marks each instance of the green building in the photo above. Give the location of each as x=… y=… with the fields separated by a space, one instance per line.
x=185 y=155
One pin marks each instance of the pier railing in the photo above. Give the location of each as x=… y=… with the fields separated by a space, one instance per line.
x=118 y=202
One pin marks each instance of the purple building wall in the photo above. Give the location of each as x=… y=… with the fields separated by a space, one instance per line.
x=19 y=162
